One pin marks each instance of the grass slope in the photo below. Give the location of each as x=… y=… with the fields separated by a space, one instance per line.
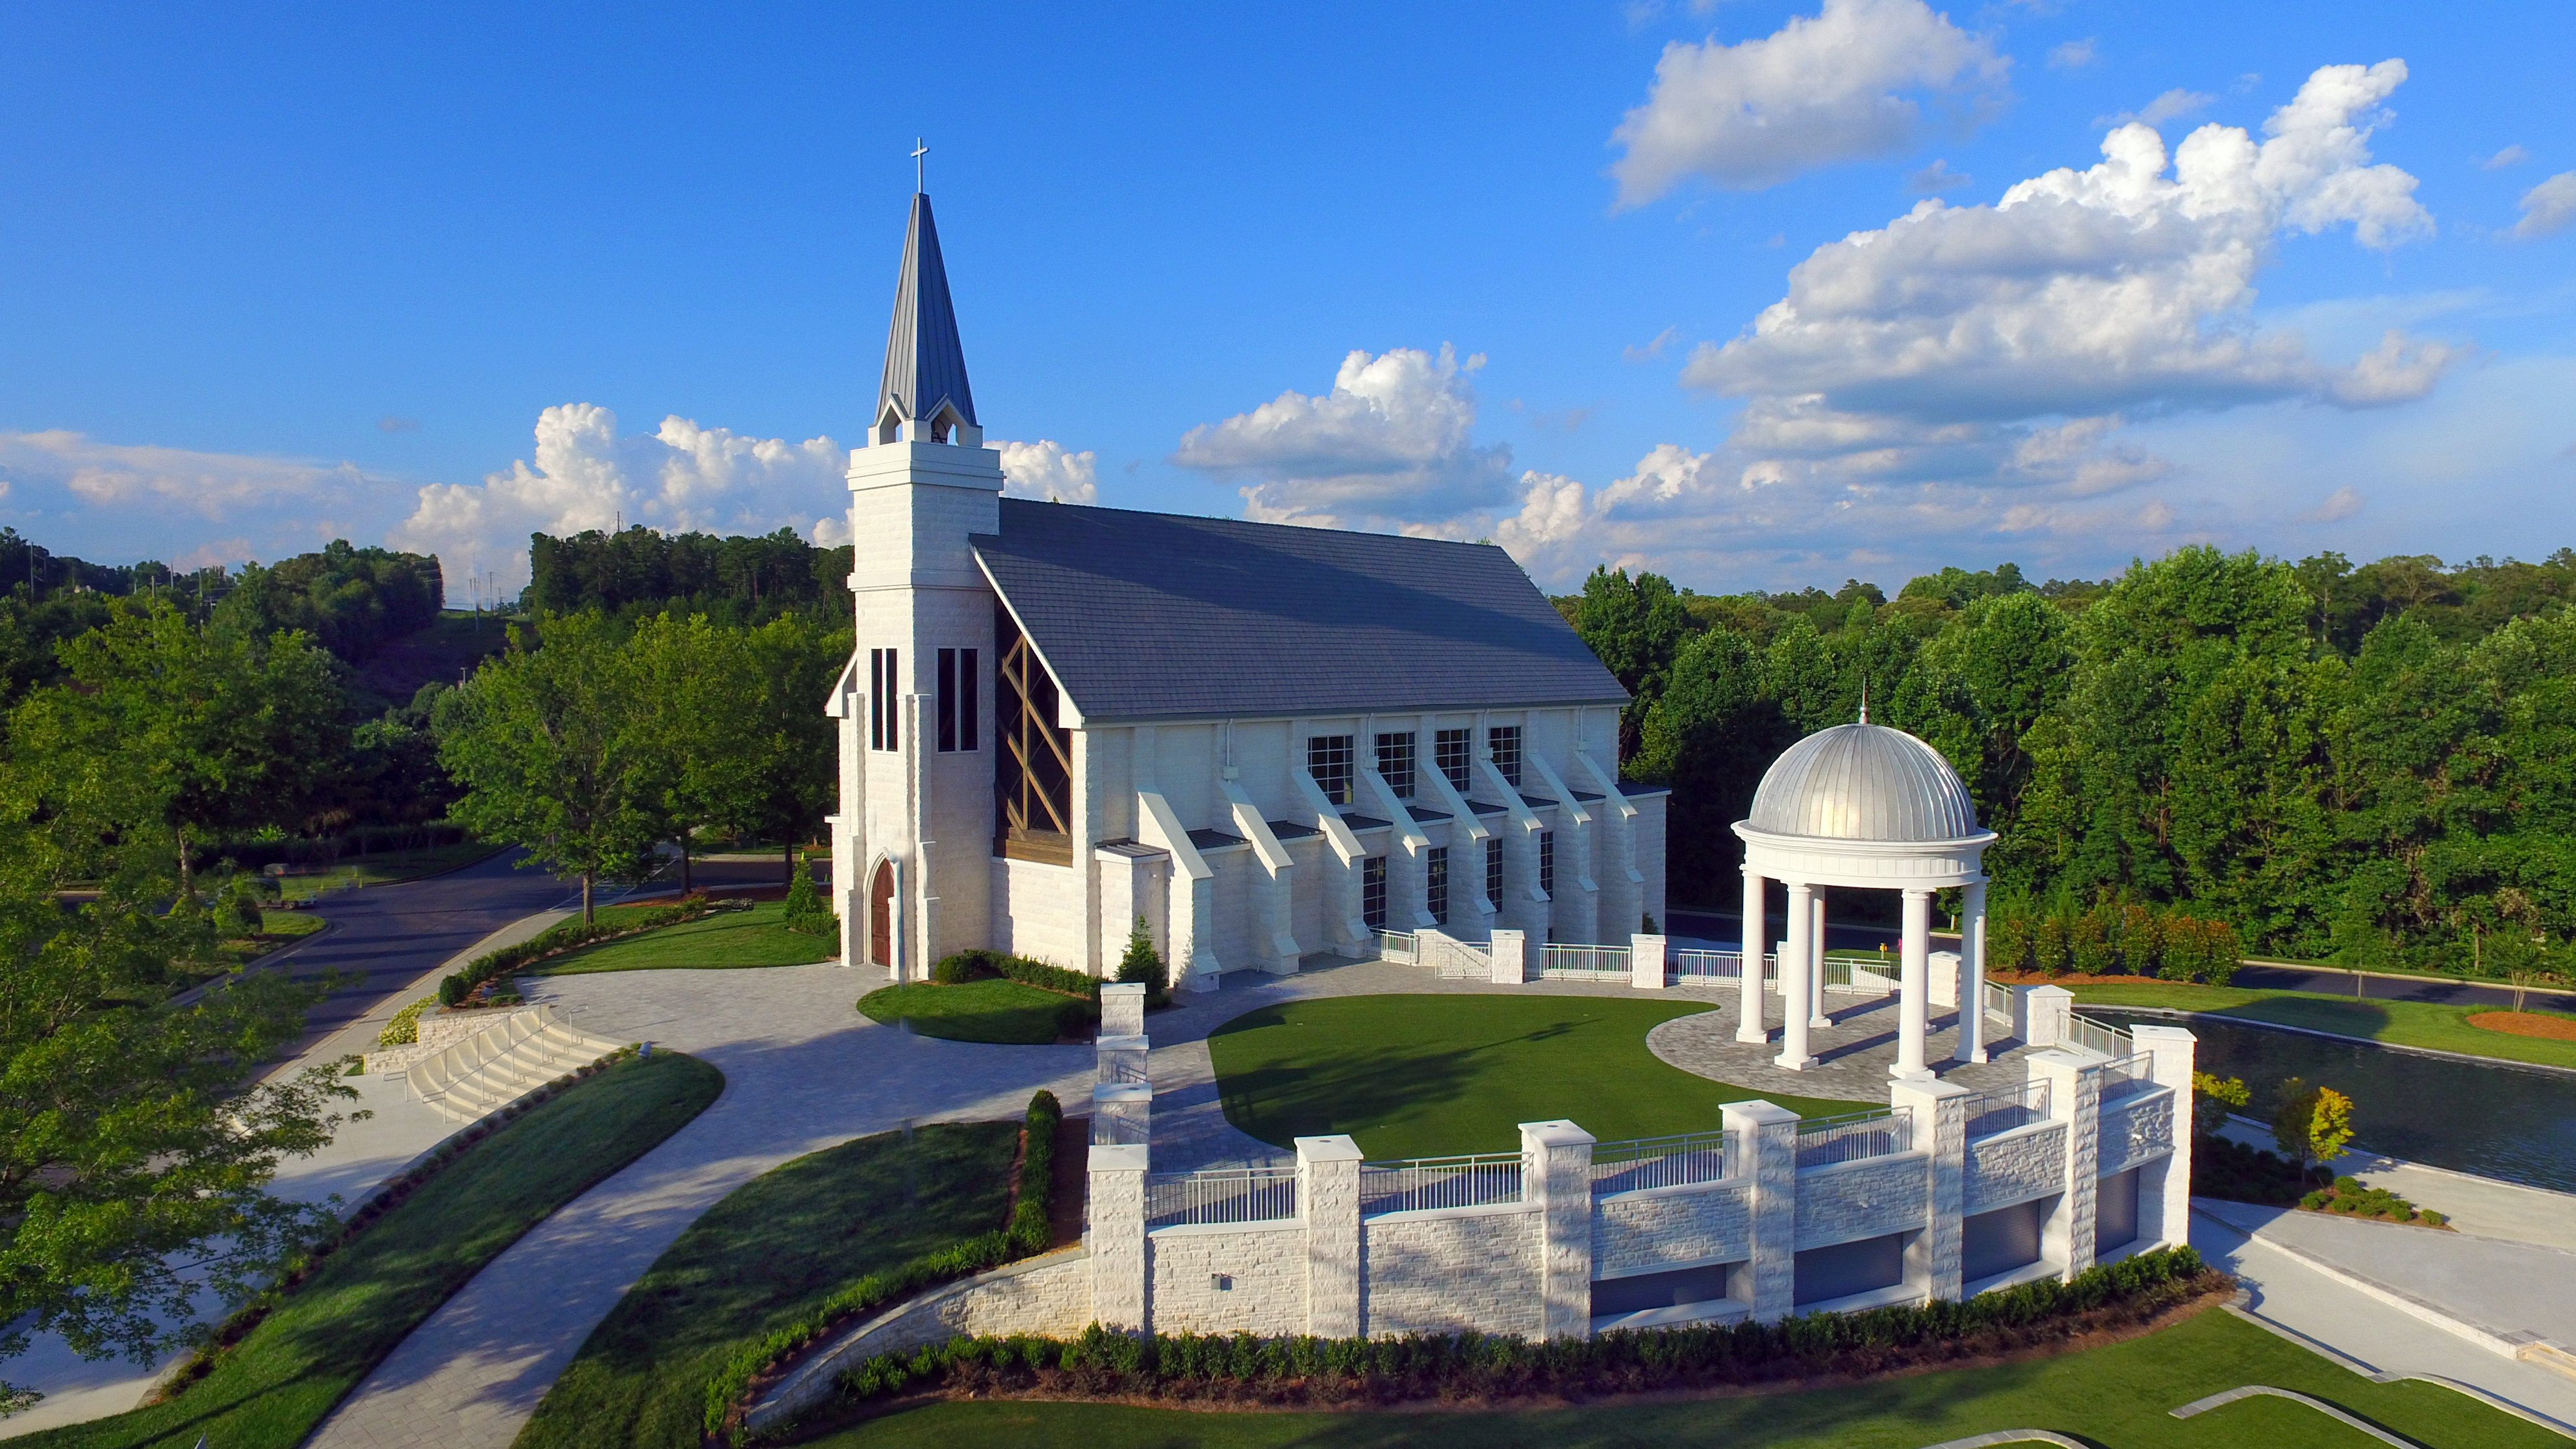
x=1010 y=1013
x=772 y=1251
x=2118 y=1396
x=1427 y=1076
x=2399 y=1023
x=756 y=937
x=281 y=1381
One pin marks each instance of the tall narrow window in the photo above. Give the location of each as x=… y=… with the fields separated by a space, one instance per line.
x=1547 y=863
x=956 y=700
x=1373 y=892
x=1395 y=762
x=1452 y=753
x=883 y=705
x=1503 y=742
x=970 y=689
x=1328 y=759
x=1494 y=869
x=1436 y=867
x=1033 y=770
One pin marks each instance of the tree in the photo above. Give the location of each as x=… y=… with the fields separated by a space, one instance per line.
x=2329 y=1125
x=2306 y=1121
x=1143 y=963
x=2212 y=1099
x=544 y=741
x=1636 y=626
x=190 y=732
x=786 y=739
x=691 y=680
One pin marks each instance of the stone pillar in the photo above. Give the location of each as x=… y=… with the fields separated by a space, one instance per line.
x=1816 y=959
x=1122 y=1114
x=2164 y=1189
x=1933 y=1260
x=1119 y=1060
x=1556 y=1180
x=1122 y=1009
x=2074 y=1098
x=1748 y=1024
x=1328 y=1198
x=1972 y=974
x=1511 y=957
x=1913 y=996
x=1646 y=962
x=1798 y=981
x=1766 y=1156
x=2050 y=1015
x=1115 y=1234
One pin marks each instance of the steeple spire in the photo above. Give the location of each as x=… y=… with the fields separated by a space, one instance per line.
x=925 y=367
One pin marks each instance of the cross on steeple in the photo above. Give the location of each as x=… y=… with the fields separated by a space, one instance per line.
x=918 y=151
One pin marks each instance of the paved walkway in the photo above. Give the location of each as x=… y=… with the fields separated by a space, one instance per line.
x=1853 y=1053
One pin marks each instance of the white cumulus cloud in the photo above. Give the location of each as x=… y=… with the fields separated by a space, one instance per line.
x=1045 y=469
x=1844 y=84
x=2173 y=105
x=2548 y=207
x=586 y=475
x=1391 y=441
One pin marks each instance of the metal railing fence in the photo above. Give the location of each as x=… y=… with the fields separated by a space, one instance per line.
x=2005 y=1108
x=1400 y=947
x=1221 y=1195
x=1855 y=1135
x=1661 y=1161
x=2097 y=1036
x=1999 y=1002
x=2127 y=1076
x=1578 y=962
x=1423 y=1183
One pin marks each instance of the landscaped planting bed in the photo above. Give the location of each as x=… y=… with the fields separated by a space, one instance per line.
x=1426 y=1076
x=995 y=1011
x=2117 y=1394
x=744 y=935
x=329 y=1325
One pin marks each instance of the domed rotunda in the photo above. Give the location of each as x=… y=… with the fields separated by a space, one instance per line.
x=1861 y=806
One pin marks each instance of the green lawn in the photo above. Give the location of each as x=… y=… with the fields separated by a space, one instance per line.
x=273 y=1388
x=385 y=867
x=1011 y=1013
x=768 y=1254
x=2400 y=1023
x=2119 y=1397
x=276 y=929
x=756 y=937
x=1429 y=1076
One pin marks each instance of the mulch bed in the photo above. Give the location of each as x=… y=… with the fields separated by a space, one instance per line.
x=2527 y=1023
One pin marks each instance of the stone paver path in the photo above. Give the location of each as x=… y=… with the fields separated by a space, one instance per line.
x=803 y=1071
x=1853 y=1053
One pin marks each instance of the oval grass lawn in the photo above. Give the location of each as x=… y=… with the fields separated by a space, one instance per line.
x=1430 y=1076
x=995 y=1010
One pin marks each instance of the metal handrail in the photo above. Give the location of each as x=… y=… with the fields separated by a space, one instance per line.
x=1854 y=1136
x=1221 y=1195
x=2127 y=1076
x=2097 y=1036
x=1584 y=960
x=1401 y=947
x=2006 y=1108
x=1677 y=1161
x=1424 y=1183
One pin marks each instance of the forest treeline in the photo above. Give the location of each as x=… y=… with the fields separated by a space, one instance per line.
x=636 y=572
x=2372 y=763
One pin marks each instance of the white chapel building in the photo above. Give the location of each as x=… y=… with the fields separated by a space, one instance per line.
x=1269 y=742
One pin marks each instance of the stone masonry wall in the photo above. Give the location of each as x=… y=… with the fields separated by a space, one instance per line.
x=2135 y=1130
x=1038 y=912
x=2027 y=1162
x=1848 y=1201
x=1441 y=1273
x=1239 y=1278
x=1668 y=1227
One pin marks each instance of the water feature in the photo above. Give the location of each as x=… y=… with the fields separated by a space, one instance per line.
x=2497 y=1121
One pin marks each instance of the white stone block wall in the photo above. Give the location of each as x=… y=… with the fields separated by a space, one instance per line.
x=2017 y=1166
x=1663 y=1228
x=1114 y=1231
x=1039 y=912
x=1328 y=1195
x=1509 y=952
x=1236 y=1278
x=2074 y=1098
x=2164 y=1188
x=1844 y=1202
x=1646 y=962
x=1556 y=1183
x=2136 y=1130
x=1933 y=1258
x=1474 y=1268
x=1766 y=1141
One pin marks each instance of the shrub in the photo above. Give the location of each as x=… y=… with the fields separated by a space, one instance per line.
x=1144 y=965
x=963 y=967
x=2088 y=942
x=2007 y=942
x=805 y=912
x=404 y=1029
x=2141 y=940
x=2048 y=944
x=1102 y=1363
x=2220 y=953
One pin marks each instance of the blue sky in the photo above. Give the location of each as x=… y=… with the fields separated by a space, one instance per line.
x=1502 y=272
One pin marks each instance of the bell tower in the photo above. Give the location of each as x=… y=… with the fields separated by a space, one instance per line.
x=910 y=855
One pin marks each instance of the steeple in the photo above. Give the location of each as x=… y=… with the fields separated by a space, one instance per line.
x=925 y=367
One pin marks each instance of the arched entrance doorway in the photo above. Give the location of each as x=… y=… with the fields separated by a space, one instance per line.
x=881 y=915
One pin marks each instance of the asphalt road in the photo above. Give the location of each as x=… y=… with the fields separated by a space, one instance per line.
x=383 y=938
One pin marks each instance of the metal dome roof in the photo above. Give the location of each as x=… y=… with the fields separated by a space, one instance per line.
x=1864 y=782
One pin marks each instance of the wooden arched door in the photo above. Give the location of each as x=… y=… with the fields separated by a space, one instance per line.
x=881 y=915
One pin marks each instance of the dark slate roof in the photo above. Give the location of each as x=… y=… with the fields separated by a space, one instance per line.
x=1215 y=839
x=1157 y=616
x=1291 y=829
x=1357 y=821
x=924 y=364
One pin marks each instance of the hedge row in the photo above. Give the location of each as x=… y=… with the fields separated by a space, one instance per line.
x=1471 y=1365
x=728 y=1393
x=977 y=964
x=2109 y=940
x=404 y=1029
x=493 y=965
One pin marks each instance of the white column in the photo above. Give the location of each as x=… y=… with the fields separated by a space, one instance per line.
x=1797 y=981
x=1914 y=990
x=1748 y=1026
x=1816 y=962
x=1972 y=974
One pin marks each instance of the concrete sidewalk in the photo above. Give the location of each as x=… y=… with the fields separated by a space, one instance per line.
x=2483 y=1206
